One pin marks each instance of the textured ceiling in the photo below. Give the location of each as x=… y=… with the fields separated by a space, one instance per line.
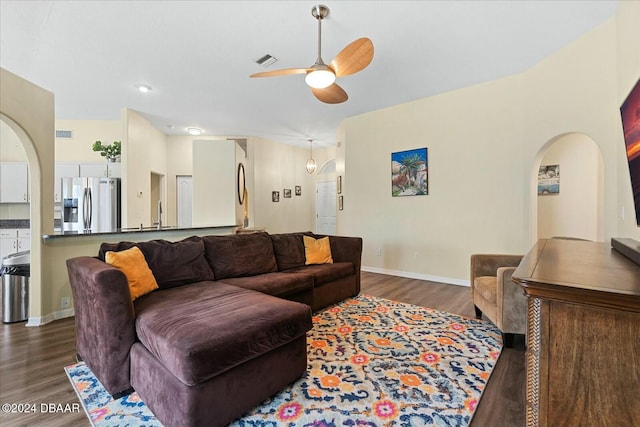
x=198 y=55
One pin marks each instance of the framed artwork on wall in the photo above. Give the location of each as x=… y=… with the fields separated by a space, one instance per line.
x=298 y=190
x=275 y=196
x=549 y=179
x=409 y=173
x=286 y=193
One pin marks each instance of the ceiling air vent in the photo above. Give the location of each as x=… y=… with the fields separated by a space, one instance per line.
x=266 y=60
x=65 y=134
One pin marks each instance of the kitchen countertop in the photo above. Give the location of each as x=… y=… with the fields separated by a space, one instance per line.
x=136 y=230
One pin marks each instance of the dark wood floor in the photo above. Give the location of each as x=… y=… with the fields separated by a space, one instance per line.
x=32 y=360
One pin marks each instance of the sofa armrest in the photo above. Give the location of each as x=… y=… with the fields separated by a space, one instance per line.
x=345 y=249
x=511 y=302
x=105 y=320
x=348 y=249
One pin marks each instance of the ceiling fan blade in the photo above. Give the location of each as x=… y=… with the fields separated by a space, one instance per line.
x=333 y=94
x=281 y=72
x=353 y=58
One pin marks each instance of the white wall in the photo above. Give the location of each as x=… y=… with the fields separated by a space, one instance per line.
x=11 y=150
x=485 y=143
x=269 y=166
x=474 y=179
x=574 y=212
x=574 y=91
x=276 y=167
x=180 y=153
x=85 y=133
x=628 y=72
x=29 y=111
x=214 y=183
x=144 y=150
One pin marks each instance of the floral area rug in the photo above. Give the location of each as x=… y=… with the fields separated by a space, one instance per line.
x=372 y=362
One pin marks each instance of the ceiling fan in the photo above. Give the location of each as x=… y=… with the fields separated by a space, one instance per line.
x=321 y=77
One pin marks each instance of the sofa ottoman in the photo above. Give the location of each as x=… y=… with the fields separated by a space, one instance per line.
x=204 y=363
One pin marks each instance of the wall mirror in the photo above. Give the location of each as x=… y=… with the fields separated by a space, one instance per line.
x=241 y=183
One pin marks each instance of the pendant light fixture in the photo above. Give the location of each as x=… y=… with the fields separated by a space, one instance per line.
x=311 y=164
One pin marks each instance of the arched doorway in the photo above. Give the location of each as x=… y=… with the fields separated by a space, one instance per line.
x=29 y=111
x=577 y=208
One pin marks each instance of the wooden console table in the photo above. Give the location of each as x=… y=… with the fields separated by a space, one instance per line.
x=583 y=335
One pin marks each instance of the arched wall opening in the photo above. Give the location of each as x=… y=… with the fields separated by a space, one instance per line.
x=35 y=290
x=577 y=209
x=29 y=111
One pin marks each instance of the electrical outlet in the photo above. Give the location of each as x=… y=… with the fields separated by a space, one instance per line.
x=65 y=302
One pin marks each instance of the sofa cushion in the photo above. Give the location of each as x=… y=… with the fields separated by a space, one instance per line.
x=132 y=263
x=203 y=329
x=487 y=287
x=172 y=263
x=324 y=273
x=276 y=284
x=289 y=250
x=240 y=255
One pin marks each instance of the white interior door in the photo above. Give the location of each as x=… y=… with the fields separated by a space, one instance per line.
x=326 y=207
x=184 y=187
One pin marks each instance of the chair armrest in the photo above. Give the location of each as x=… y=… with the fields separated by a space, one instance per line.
x=511 y=303
x=488 y=264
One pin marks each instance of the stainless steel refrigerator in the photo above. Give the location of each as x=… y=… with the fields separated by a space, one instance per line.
x=90 y=205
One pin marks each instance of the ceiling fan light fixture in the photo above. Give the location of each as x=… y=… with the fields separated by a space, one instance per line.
x=143 y=88
x=320 y=78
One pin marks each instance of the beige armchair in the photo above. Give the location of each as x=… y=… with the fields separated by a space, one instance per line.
x=494 y=293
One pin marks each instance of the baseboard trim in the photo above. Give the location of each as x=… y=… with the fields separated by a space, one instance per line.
x=419 y=276
x=69 y=312
x=56 y=315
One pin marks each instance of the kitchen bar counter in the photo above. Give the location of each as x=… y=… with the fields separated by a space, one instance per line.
x=219 y=229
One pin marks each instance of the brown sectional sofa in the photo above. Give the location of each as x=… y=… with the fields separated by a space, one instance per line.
x=225 y=330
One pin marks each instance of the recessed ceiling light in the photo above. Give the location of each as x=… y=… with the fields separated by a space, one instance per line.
x=143 y=88
x=194 y=131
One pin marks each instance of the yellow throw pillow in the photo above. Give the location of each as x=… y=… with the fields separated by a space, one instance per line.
x=132 y=263
x=317 y=251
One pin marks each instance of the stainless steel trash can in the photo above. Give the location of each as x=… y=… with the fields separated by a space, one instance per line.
x=15 y=274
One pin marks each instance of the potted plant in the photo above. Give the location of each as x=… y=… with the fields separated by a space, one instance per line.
x=111 y=151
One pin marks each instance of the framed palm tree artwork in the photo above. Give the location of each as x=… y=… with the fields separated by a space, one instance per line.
x=409 y=173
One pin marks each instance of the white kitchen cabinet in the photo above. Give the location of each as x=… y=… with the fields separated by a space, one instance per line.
x=14 y=240
x=113 y=170
x=93 y=169
x=24 y=239
x=64 y=170
x=14 y=182
x=110 y=170
x=8 y=242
